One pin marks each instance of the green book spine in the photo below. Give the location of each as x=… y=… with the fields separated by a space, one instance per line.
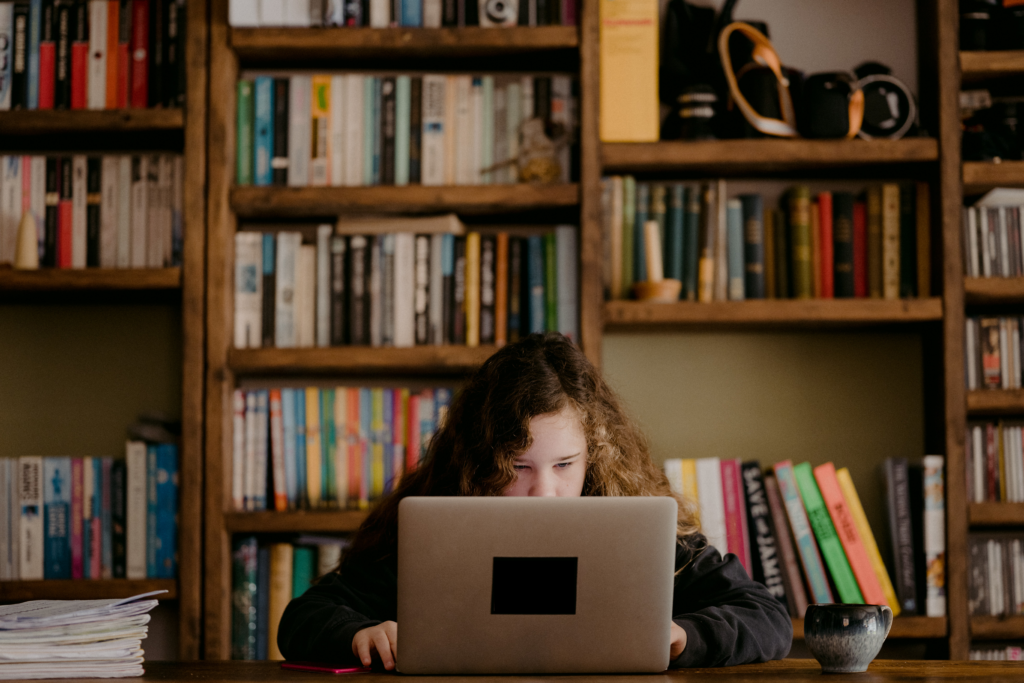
x=550 y=283
x=303 y=569
x=244 y=567
x=828 y=541
x=674 y=249
x=691 y=252
x=781 y=230
x=403 y=113
x=628 y=216
x=243 y=154
x=800 y=235
x=908 y=240
x=327 y=447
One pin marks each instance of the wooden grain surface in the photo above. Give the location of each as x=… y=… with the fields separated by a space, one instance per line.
x=765 y=154
x=998 y=628
x=299 y=521
x=996 y=514
x=85 y=589
x=48 y=121
x=994 y=290
x=591 y=241
x=995 y=401
x=795 y=670
x=429 y=360
x=86 y=279
x=980 y=65
x=981 y=176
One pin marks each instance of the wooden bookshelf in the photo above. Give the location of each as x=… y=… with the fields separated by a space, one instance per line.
x=997 y=628
x=994 y=290
x=980 y=176
x=252 y=201
x=996 y=514
x=995 y=401
x=979 y=65
x=89 y=279
x=902 y=627
x=624 y=315
x=360 y=360
x=313 y=521
x=763 y=154
x=85 y=589
x=284 y=44
x=47 y=121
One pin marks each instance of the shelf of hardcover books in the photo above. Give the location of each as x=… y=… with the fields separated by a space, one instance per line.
x=764 y=154
x=980 y=65
x=979 y=176
x=73 y=589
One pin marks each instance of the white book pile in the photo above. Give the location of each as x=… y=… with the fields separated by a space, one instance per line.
x=74 y=638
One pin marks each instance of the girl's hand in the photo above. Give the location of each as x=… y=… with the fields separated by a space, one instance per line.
x=675 y=648
x=382 y=640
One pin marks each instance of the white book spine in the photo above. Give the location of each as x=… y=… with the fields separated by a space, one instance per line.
x=244 y=13
x=712 y=507
x=405 y=288
x=97 y=84
x=248 y=289
x=154 y=206
x=935 y=534
x=353 y=130
x=108 y=211
x=238 y=450
x=124 y=211
x=1004 y=356
x=337 y=153
x=380 y=13
x=271 y=13
x=421 y=297
x=971 y=221
x=296 y=13
x=436 y=292
x=674 y=473
x=284 y=298
x=567 y=278
x=978 y=444
x=37 y=196
x=432 y=13
x=305 y=299
x=986 y=245
x=432 y=141
x=465 y=141
x=140 y=211
x=262 y=432
x=10 y=206
x=135 y=510
x=323 y=284
x=970 y=349
x=299 y=136
x=252 y=435
x=30 y=541
x=79 y=204
x=1004 y=244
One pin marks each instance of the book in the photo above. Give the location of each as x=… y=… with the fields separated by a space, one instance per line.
x=323 y=284
x=629 y=71
x=136 y=510
x=244 y=566
x=734 y=503
x=826 y=244
x=860 y=249
x=488 y=247
x=807 y=547
x=281 y=561
x=421 y=290
x=901 y=532
x=800 y=236
x=712 y=505
x=435 y=290
x=753 y=246
x=765 y=562
x=299 y=130
x=735 y=231
x=890 y=222
x=285 y=324
x=796 y=595
x=339 y=290
x=707 y=244
x=249 y=266
x=843 y=245
x=550 y=283
x=57 y=525
x=907 y=244
x=139 y=54
x=472 y=289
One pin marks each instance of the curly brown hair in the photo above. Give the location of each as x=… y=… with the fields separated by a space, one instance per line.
x=488 y=426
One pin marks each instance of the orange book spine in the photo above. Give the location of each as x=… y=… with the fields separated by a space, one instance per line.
x=825 y=245
x=355 y=452
x=846 y=529
x=501 y=291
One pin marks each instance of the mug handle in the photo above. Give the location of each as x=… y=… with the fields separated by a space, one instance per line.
x=887 y=615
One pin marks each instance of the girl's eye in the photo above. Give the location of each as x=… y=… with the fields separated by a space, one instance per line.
x=563 y=465
x=520 y=467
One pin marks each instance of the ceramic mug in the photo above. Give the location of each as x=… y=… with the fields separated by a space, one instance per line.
x=845 y=638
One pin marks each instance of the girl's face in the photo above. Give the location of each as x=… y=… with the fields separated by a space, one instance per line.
x=556 y=462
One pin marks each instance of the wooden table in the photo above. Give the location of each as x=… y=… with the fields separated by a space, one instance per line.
x=789 y=670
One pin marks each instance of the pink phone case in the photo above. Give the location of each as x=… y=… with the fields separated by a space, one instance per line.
x=324 y=668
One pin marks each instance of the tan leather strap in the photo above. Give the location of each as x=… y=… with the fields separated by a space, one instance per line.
x=856 y=113
x=765 y=55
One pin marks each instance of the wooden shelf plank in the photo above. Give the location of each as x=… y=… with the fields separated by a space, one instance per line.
x=86 y=279
x=46 y=121
x=997 y=628
x=273 y=44
x=619 y=315
x=995 y=401
x=763 y=154
x=994 y=290
x=426 y=360
x=979 y=176
x=978 y=65
x=297 y=521
x=996 y=514
x=902 y=627
x=467 y=199
x=85 y=589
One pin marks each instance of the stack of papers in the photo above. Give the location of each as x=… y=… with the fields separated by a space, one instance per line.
x=74 y=638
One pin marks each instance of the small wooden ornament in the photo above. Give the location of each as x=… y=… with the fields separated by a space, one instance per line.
x=656 y=287
x=27 y=255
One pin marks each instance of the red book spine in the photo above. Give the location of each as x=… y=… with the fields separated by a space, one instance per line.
x=140 y=54
x=79 y=74
x=113 y=29
x=860 y=250
x=47 y=62
x=123 y=75
x=277 y=451
x=412 y=453
x=825 y=244
x=75 y=536
x=95 y=547
x=735 y=513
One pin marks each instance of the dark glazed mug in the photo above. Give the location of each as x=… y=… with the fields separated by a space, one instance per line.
x=845 y=638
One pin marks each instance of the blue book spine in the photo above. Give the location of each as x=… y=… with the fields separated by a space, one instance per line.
x=643 y=201
x=369 y=125
x=734 y=248
x=151 y=512
x=263 y=119
x=535 y=281
x=365 y=432
x=300 y=446
x=388 y=438
x=674 y=234
x=378 y=138
x=107 y=562
x=412 y=13
x=35 y=29
x=56 y=518
x=166 y=511
x=288 y=432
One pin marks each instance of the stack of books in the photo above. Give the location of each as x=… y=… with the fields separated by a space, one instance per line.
x=404 y=289
x=345 y=447
x=995 y=462
x=92 y=54
x=992 y=352
x=825 y=245
x=90 y=518
x=992 y=235
x=997 y=574
x=265 y=577
x=781 y=524
x=110 y=211
x=399 y=129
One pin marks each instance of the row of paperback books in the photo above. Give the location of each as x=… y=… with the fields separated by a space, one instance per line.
x=997 y=574
x=782 y=523
x=403 y=289
x=995 y=462
x=828 y=245
x=111 y=211
x=92 y=54
x=344 y=447
x=992 y=353
x=992 y=236
x=406 y=13
x=1010 y=653
x=264 y=579
x=398 y=129
x=90 y=518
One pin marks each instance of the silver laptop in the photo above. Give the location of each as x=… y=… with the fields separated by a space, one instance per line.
x=535 y=585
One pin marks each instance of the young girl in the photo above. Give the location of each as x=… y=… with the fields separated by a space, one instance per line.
x=535 y=420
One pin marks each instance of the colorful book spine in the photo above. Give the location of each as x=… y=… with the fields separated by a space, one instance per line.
x=712 y=505
x=735 y=246
x=244 y=566
x=901 y=531
x=535 y=283
x=796 y=594
x=166 y=536
x=314 y=453
x=736 y=532
x=56 y=496
x=814 y=570
x=261 y=130
x=764 y=552
x=935 y=533
x=75 y=535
